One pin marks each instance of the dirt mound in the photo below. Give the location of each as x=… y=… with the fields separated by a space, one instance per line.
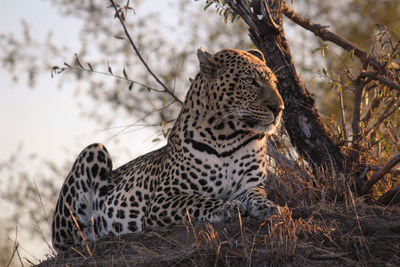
x=314 y=236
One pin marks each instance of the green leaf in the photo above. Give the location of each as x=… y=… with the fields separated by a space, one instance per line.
x=130 y=86
x=110 y=70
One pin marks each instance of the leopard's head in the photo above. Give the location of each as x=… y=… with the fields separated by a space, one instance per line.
x=239 y=85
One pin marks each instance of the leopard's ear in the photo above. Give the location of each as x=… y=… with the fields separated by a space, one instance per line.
x=208 y=65
x=258 y=54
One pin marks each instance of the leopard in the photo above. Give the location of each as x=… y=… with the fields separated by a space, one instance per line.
x=212 y=168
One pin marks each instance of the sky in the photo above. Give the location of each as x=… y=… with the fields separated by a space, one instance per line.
x=46 y=121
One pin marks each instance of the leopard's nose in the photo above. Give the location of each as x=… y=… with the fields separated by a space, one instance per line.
x=275 y=109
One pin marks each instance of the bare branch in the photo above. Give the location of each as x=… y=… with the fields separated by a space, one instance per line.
x=284 y=162
x=388 y=111
x=356 y=123
x=91 y=70
x=375 y=76
x=166 y=88
x=393 y=171
x=391 y=197
x=375 y=104
x=267 y=13
x=242 y=8
x=342 y=115
x=123 y=129
x=327 y=35
x=366 y=188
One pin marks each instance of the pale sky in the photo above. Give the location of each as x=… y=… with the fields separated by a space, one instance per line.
x=46 y=120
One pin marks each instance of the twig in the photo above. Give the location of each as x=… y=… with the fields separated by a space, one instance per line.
x=166 y=88
x=15 y=248
x=58 y=70
x=384 y=116
x=375 y=76
x=356 y=123
x=366 y=188
x=41 y=204
x=244 y=11
x=375 y=104
x=79 y=230
x=327 y=35
x=284 y=162
x=391 y=197
x=393 y=171
x=124 y=128
x=19 y=257
x=342 y=115
x=267 y=13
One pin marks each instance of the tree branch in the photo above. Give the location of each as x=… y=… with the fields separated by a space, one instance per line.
x=342 y=115
x=375 y=76
x=391 y=197
x=375 y=104
x=302 y=120
x=58 y=70
x=284 y=162
x=267 y=12
x=356 y=123
x=393 y=171
x=327 y=35
x=366 y=188
x=388 y=111
x=166 y=88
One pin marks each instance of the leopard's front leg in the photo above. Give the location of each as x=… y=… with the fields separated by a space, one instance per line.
x=256 y=203
x=164 y=210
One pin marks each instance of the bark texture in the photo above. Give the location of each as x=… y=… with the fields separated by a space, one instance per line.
x=302 y=121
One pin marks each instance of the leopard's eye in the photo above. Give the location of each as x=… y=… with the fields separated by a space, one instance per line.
x=250 y=81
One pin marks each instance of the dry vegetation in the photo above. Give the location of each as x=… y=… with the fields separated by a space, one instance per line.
x=311 y=236
x=316 y=230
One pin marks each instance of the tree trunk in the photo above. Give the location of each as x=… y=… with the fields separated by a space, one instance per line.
x=301 y=118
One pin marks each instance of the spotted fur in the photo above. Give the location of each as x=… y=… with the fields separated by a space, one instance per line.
x=212 y=167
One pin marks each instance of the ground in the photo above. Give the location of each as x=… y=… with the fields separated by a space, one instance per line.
x=321 y=235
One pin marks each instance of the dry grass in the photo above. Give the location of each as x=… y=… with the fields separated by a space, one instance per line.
x=323 y=224
x=318 y=235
